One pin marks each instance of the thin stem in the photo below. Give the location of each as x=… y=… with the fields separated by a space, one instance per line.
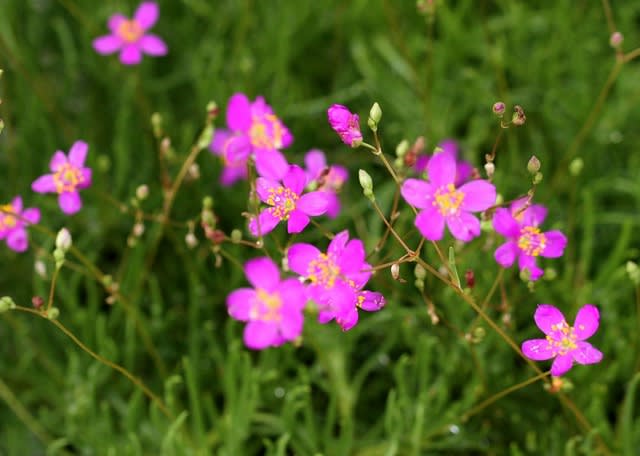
x=52 y=288
x=23 y=414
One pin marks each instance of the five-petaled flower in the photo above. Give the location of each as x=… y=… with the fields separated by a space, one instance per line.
x=441 y=201
x=253 y=128
x=336 y=279
x=325 y=178
x=464 y=169
x=68 y=176
x=286 y=203
x=346 y=124
x=272 y=308
x=519 y=224
x=130 y=37
x=13 y=220
x=563 y=342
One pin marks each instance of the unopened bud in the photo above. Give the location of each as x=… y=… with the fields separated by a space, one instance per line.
x=616 y=40
x=575 y=167
x=191 y=240
x=634 y=272
x=498 y=108
x=395 y=271
x=489 y=168
x=63 y=240
x=1 y=125
x=402 y=148
x=533 y=166
x=207 y=202
x=550 y=274
x=470 y=278
x=236 y=236
x=375 y=114
x=53 y=313
x=205 y=137
x=212 y=110
x=138 y=229
x=366 y=183
x=194 y=172
x=419 y=283
x=420 y=272
x=142 y=192
x=537 y=178
x=518 y=118
x=37 y=301
x=156 y=124
x=6 y=303
x=40 y=268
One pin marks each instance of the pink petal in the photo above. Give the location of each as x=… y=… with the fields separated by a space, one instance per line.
x=293 y=294
x=372 y=301
x=556 y=242
x=59 y=159
x=561 y=365
x=44 y=184
x=417 y=192
x=333 y=205
x=297 y=222
x=291 y=325
x=338 y=243
x=153 y=45
x=220 y=137
x=449 y=146
x=352 y=258
x=528 y=262
x=295 y=179
x=239 y=113
x=262 y=273
x=240 y=303
x=479 y=195
x=69 y=202
x=441 y=170
x=16 y=204
x=17 y=240
x=267 y=223
x=534 y=215
x=587 y=322
x=31 y=215
x=232 y=174
x=313 y=203
x=538 y=349
x=86 y=178
x=549 y=319
x=107 y=44
x=430 y=223
x=147 y=14
x=78 y=153
x=299 y=256
x=315 y=162
x=506 y=254
x=114 y=22
x=259 y=335
x=271 y=163
x=505 y=224
x=264 y=187
x=586 y=354
x=130 y=54
x=348 y=319
x=463 y=226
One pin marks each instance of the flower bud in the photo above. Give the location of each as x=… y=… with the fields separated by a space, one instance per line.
x=375 y=114
x=395 y=271
x=402 y=148
x=533 y=166
x=499 y=108
x=40 y=268
x=537 y=178
x=365 y=180
x=142 y=192
x=616 y=40
x=634 y=272
x=346 y=124
x=191 y=240
x=489 y=168
x=212 y=110
x=420 y=272
x=575 y=167
x=53 y=313
x=236 y=236
x=205 y=137
x=6 y=303
x=518 y=117
x=63 y=240
x=469 y=278
x=156 y=124
x=1 y=125
x=138 y=229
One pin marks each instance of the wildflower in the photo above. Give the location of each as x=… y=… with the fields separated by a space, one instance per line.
x=525 y=241
x=129 y=35
x=286 y=203
x=346 y=124
x=441 y=201
x=253 y=128
x=563 y=342
x=69 y=175
x=336 y=279
x=328 y=179
x=464 y=169
x=13 y=220
x=272 y=308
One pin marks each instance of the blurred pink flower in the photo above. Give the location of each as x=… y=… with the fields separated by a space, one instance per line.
x=327 y=179
x=13 y=220
x=563 y=342
x=69 y=175
x=130 y=37
x=346 y=124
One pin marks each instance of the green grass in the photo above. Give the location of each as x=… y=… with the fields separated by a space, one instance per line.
x=395 y=384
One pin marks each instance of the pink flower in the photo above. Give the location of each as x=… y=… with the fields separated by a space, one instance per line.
x=563 y=342
x=327 y=179
x=442 y=202
x=464 y=169
x=13 y=220
x=346 y=124
x=525 y=241
x=253 y=129
x=129 y=35
x=69 y=175
x=272 y=308
x=336 y=279
x=287 y=203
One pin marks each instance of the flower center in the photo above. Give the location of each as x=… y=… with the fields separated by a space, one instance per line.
x=129 y=31
x=7 y=221
x=283 y=201
x=323 y=271
x=448 y=200
x=268 y=306
x=531 y=241
x=67 y=178
x=566 y=343
x=266 y=132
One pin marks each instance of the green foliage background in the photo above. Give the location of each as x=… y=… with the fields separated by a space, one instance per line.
x=396 y=384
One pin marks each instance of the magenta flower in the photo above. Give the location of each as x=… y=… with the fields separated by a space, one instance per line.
x=464 y=169
x=346 y=124
x=525 y=241
x=272 y=308
x=13 y=220
x=442 y=202
x=129 y=35
x=253 y=129
x=336 y=279
x=563 y=342
x=327 y=179
x=287 y=203
x=69 y=175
